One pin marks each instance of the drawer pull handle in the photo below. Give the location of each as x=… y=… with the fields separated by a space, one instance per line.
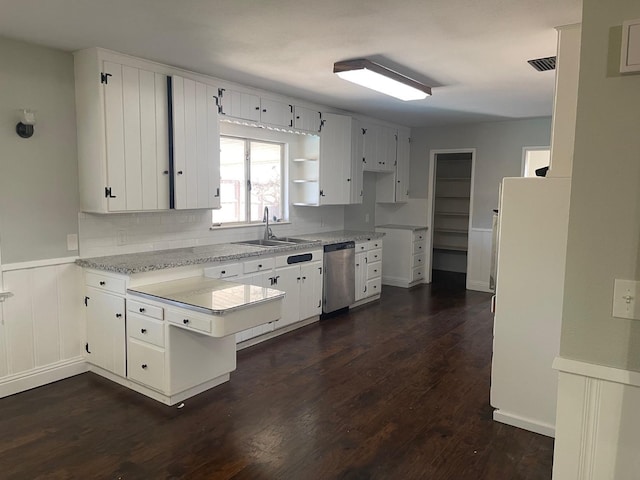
x=144 y=366
x=185 y=321
x=142 y=310
x=118 y=315
x=223 y=272
x=143 y=330
x=103 y=283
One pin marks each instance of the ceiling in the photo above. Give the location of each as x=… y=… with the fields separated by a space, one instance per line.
x=472 y=52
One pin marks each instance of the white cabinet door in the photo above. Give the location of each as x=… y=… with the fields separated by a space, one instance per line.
x=288 y=280
x=196 y=145
x=136 y=136
x=335 y=160
x=239 y=104
x=361 y=275
x=387 y=145
x=372 y=144
x=306 y=119
x=310 y=290
x=106 y=342
x=357 y=182
x=276 y=113
x=402 y=167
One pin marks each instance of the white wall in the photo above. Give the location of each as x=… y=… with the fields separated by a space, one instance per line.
x=39 y=175
x=498 y=154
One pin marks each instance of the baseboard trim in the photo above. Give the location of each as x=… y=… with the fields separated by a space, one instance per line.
x=37 y=377
x=478 y=286
x=524 y=423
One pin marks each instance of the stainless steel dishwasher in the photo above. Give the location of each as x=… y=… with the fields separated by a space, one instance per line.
x=339 y=289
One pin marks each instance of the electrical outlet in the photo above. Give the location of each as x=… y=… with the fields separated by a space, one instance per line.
x=122 y=237
x=366 y=218
x=625 y=299
x=72 y=242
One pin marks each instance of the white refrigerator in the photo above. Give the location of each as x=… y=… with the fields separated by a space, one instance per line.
x=532 y=241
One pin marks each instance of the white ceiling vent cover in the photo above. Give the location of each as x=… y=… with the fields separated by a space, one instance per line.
x=543 y=64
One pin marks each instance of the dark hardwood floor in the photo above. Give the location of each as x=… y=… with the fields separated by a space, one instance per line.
x=395 y=390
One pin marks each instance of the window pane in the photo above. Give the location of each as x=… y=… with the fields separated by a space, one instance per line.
x=266 y=180
x=233 y=183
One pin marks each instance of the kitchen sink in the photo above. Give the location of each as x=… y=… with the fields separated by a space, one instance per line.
x=265 y=243
x=294 y=240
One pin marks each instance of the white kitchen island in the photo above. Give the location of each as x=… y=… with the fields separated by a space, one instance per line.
x=180 y=335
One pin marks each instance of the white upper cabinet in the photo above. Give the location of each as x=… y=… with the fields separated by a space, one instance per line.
x=196 y=144
x=357 y=146
x=402 y=167
x=276 y=113
x=335 y=159
x=123 y=147
x=379 y=148
x=239 y=104
x=306 y=119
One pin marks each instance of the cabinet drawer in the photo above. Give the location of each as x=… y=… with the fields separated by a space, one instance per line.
x=224 y=271
x=374 y=287
x=145 y=309
x=417 y=274
x=362 y=247
x=145 y=329
x=418 y=247
x=259 y=265
x=420 y=236
x=419 y=259
x=374 y=270
x=145 y=364
x=374 y=244
x=374 y=256
x=188 y=320
x=110 y=284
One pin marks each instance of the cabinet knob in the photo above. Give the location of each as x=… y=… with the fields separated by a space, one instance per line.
x=264 y=110
x=103 y=283
x=144 y=366
x=165 y=172
x=118 y=315
x=223 y=272
x=260 y=266
x=179 y=172
x=142 y=310
x=258 y=108
x=143 y=330
x=185 y=321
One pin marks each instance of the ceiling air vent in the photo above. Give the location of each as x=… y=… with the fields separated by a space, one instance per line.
x=543 y=64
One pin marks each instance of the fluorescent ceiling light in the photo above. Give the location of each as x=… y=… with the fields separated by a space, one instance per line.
x=381 y=79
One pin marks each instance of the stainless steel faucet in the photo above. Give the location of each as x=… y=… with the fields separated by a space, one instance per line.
x=265 y=218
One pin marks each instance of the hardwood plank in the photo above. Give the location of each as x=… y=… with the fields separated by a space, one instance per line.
x=394 y=389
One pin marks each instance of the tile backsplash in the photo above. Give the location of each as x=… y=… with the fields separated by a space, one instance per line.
x=115 y=234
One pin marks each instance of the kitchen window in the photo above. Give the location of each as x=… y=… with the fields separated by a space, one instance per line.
x=251 y=178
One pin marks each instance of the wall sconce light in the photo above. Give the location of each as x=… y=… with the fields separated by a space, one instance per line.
x=24 y=128
x=381 y=79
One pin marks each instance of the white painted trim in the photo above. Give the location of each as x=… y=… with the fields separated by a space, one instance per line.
x=479 y=286
x=37 y=377
x=276 y=333
x=524 y=423
x=484 y=230
x=601 y=372
x=38 y=263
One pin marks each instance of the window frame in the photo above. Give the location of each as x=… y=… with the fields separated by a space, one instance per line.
x=248 y=185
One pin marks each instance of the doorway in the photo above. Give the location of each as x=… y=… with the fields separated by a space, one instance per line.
x=451 y=200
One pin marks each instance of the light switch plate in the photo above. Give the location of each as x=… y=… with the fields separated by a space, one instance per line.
x=72 y=242
x=626 y=294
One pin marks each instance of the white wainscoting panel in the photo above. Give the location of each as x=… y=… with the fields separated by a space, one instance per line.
x=479 y=259
x=41 y=325
x=597 y=424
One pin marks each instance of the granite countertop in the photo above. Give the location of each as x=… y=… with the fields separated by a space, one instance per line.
x=206 y=295
x=179 y=257
x=404 y=227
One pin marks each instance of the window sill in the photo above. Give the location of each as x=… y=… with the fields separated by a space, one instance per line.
x=231 y=226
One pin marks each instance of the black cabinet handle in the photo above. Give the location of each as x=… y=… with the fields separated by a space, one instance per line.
x=260 y=266
x=142 y=310
x=185 y=321
x=118 y=315
x=179 y=172
x=258 y=108
x=103 y=283
x=223 y=272
x=165 y=172
x=144 y=366
x=143 y=330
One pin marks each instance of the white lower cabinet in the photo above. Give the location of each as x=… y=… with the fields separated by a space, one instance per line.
x=259 y=279
x=105 y=346
x=302 y=284
x=145 y=364
x=406 y=259
x=368 y=265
